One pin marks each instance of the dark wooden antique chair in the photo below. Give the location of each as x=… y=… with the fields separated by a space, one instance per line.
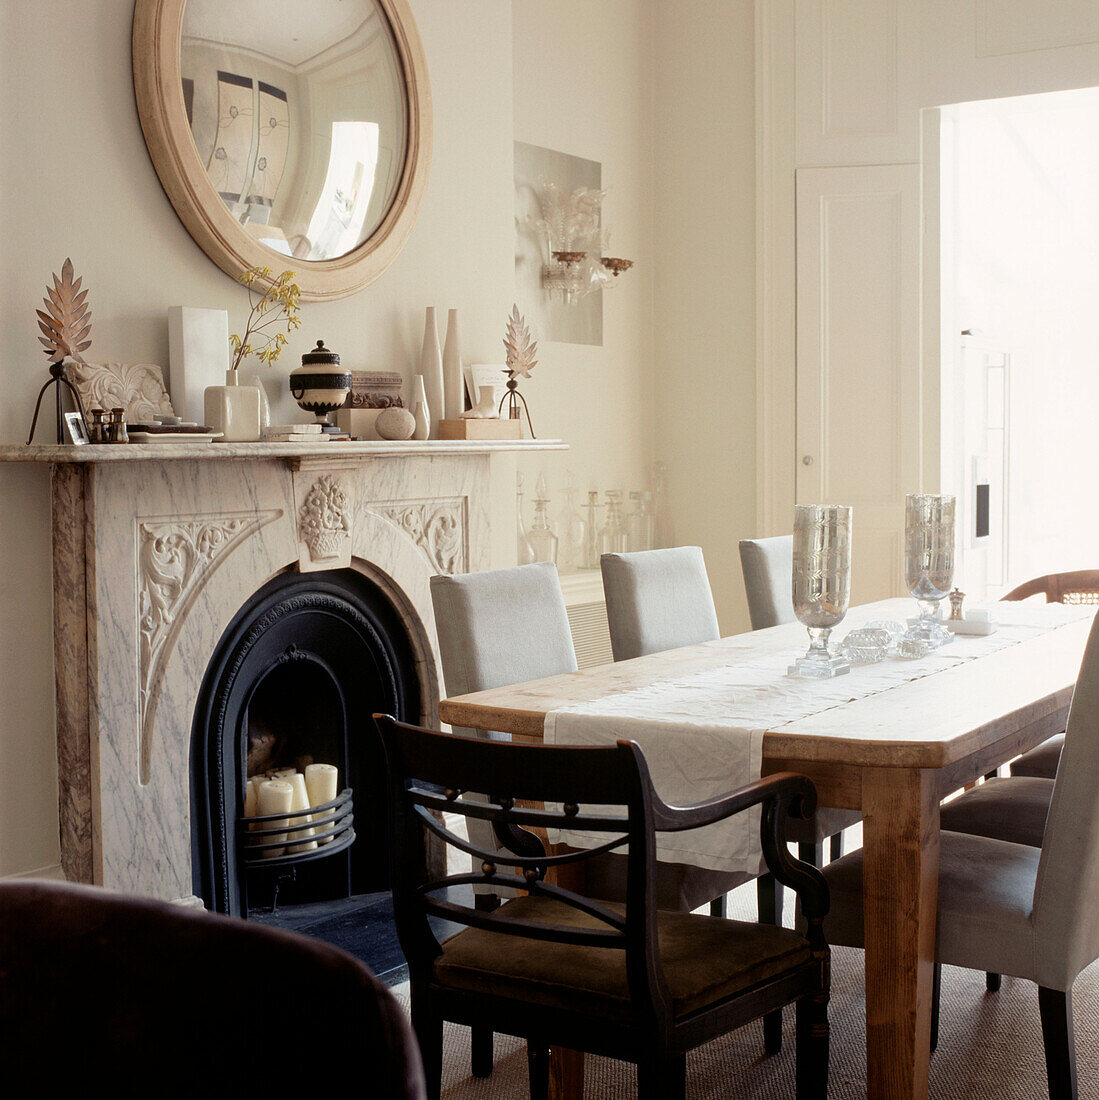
x=1078 y=587
x=507 y=626
x=559 y=968
x=141 y=996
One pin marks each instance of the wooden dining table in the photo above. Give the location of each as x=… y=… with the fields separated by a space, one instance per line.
x=894 y=755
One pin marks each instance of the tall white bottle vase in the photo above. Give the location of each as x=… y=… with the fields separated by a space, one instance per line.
x=452 y=369
x=431 y=368
x=421 y=410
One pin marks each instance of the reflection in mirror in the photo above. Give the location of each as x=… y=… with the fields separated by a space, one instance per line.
x=300 y=115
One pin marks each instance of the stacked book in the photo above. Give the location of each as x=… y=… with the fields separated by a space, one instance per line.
x=299 y=433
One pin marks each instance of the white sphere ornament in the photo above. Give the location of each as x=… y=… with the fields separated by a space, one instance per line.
x=395 y=423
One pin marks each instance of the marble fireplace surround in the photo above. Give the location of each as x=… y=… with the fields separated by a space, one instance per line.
x=156 y=548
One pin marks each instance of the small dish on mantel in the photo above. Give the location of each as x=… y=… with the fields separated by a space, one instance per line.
x=174 y=437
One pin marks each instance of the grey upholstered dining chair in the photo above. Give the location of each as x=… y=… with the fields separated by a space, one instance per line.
x=1015 y=909
x=767 y=565
x=657 y=600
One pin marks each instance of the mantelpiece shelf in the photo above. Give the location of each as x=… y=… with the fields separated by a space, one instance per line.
x=214 y=452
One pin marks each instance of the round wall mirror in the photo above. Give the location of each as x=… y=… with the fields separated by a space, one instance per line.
x=286 y=134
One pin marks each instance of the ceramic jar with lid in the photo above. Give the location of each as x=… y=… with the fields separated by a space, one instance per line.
x=319 y=385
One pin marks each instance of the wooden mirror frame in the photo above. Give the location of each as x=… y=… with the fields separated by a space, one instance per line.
x=158 y=88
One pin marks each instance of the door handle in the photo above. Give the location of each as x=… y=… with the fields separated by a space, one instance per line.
x=807 y=460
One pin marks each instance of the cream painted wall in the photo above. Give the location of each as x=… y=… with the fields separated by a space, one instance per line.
x=582 y=86
x=75 y=180
x=704 y=293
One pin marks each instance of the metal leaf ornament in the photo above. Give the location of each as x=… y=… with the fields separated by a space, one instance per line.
x=519 y=346
x=67 y=322
x=520 y=350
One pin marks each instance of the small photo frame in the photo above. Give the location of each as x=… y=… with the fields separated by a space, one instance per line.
x=486 y=374
x=75 y=428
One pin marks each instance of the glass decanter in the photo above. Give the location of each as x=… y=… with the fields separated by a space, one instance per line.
x=591 y=544
x=612 y=535
x=633 y=523
x=542 y=539
x=821 y=584
x=571 y=530
x=928 y=563
x=645 y=538
x=663 y=534
x=523 y=548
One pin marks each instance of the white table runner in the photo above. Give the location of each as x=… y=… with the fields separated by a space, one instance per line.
x=702 y=734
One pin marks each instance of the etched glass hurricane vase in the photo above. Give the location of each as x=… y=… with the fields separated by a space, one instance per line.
x=821 y=583
x=928 y=562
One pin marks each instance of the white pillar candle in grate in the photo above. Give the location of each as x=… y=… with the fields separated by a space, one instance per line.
x=275 y=797
x=300 y=802
x=321 y=784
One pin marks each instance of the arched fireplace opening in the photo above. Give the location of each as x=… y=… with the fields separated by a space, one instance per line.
x=295 y=679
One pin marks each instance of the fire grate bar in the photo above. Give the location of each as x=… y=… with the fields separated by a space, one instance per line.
x=332 y=829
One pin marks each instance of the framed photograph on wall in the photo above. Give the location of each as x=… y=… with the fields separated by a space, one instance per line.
x=75 y=428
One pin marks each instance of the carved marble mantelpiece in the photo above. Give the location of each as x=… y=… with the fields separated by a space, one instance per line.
x=156 y=548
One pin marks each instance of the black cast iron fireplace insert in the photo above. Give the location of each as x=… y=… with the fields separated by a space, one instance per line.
x=297 y=675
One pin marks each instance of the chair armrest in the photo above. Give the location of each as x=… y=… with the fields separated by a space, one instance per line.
x=798 y=791
x=781 y=795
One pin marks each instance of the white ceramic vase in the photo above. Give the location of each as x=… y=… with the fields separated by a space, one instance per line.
x=452 y=368
x=233 y=410
x=431 y=370
x=421 y=408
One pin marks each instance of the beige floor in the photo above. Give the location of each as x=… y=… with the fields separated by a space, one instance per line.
x=990 y=1046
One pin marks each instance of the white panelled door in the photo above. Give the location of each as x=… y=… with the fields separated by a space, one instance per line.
x=858 y=359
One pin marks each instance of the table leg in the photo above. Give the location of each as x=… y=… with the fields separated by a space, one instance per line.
x=566 y=1074
x=566 y=1067
x=900 y=893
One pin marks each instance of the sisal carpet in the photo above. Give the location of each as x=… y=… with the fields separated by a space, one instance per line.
x=990 y=1045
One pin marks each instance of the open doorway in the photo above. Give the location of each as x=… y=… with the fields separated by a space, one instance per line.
x=1020 y=323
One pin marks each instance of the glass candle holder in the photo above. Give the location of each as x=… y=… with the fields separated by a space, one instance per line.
x=928 y=563
x=821 y=584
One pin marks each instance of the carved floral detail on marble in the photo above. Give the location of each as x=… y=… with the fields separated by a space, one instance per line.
x=176 y=557
x=437 y=527
x=324 y=522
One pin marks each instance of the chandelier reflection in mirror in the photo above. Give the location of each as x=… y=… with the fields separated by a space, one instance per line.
x=571 y=228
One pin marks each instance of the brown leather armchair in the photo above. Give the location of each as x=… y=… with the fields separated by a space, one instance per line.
x=140 y=995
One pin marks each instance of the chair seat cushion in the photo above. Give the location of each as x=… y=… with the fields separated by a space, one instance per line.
x=823 y=824
x=986 y=898
x=705 y=960
x=1008 y=809
x=1041 y=761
